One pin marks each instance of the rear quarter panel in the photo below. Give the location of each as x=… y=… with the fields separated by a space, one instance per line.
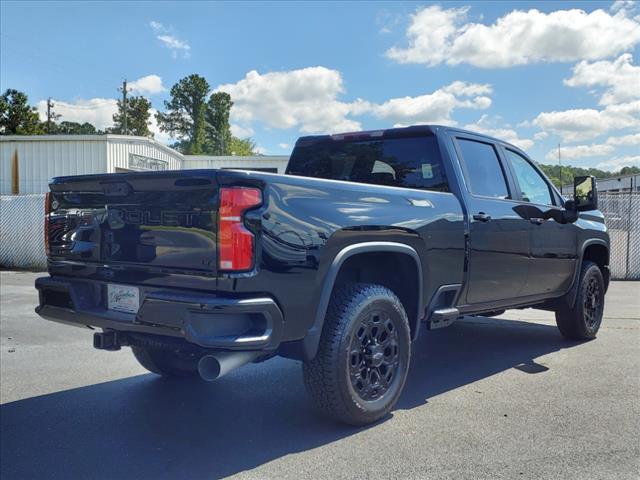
x=305 y=222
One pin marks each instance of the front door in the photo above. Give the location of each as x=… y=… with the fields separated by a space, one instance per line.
x=553 y=243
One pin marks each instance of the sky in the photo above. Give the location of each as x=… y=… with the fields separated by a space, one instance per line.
x=536 y=74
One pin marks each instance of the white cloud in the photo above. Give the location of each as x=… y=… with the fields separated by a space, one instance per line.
x=97 y=111
x=468 y=89
x=177 y=46
x=436 y=35
x=587 y=123
x=625 y=140
x=241 y=132
x=484 y=125
x=306 y=98
x=158 y=135
x=630 y=108
x=431 y=32
x=540 y=136
x=387 y=21
x=620 y=79
x=435 y=107
x=615 y=164
x=623 y=5
x=260 y=150
x=151 y=84
x=580 y=151
x=284 y=146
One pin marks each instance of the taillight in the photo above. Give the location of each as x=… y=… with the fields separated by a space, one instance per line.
x=235 y=242
x=47 y=211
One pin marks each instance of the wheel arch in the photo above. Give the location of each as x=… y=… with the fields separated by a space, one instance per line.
x=597 y=251
x=358 y=257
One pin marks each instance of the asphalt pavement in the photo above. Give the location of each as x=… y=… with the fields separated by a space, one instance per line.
x=485 y=398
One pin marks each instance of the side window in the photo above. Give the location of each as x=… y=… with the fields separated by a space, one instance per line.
x=533 y=187
x=484 y=173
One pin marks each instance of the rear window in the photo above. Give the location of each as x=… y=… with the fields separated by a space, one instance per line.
x=412 y=162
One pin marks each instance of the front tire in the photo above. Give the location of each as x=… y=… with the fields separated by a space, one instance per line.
x=362 y=362
x=168 y=363
x=583 y=320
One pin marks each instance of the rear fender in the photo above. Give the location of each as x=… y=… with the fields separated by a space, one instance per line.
x=312 y=339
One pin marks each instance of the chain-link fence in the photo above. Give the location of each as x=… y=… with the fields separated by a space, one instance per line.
x=22 y=244
x=622 y=214
x=21 y=232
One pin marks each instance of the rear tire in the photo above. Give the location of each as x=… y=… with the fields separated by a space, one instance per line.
x=168 y=363
x=583 y=320
x=361 y=366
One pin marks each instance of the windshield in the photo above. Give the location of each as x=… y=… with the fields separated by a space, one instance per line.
x=412 y=162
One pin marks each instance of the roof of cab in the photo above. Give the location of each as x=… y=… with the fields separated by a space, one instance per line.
x=396 y=132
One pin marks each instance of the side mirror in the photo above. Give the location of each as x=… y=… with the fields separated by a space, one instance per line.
x=585 y=193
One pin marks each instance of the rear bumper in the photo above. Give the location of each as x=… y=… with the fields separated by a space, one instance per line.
x=210 y=321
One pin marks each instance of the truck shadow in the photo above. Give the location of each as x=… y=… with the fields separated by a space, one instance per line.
x=149 y=427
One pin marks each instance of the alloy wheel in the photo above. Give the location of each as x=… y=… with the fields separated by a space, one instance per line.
x=374 y=356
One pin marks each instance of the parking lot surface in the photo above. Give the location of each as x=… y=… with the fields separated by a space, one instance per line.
x=485 y=398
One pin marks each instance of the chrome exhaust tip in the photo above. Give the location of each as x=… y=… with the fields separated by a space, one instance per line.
x=214 y=366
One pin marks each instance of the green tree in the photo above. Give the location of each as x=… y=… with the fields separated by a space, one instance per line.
x=137 y=116
x=184 y=118
x=218 y=128
x=17 y=117
x=243 y=147
x=569 y=173
x=630 y=171
x=74 y=128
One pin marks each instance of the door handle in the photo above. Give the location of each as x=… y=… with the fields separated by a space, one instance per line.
x=537 y=221
x=482 y=217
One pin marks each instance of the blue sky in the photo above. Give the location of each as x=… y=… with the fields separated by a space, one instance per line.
x=534 y=73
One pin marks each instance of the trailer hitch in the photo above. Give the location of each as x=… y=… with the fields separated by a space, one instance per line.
x=108 y=340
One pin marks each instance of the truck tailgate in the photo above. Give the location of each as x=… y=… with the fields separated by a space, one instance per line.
x=159 y=219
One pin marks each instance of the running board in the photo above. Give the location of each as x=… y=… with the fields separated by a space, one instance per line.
x=443 y=318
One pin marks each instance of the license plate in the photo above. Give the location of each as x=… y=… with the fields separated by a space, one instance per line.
x=123 y=298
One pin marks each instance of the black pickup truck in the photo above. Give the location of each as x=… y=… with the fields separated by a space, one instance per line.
x=367 y=238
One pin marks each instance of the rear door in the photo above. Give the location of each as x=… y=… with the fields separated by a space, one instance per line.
x=161 y=219
x=553 y=243
x=498 y=236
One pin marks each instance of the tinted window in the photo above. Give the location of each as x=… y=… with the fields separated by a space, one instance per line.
x=254 y=169
x=484 y=173
x=533 y=187
x=412 y=162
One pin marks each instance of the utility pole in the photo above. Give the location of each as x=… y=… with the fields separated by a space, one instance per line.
x=560 y=164
x=124 y=106
x=49 y=114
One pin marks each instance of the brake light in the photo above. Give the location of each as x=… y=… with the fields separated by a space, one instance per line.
x=235 y=243
x=47 y=211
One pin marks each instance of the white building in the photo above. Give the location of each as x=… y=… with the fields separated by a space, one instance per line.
x=623 y=183
x=264 y=163
x=27 y=162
